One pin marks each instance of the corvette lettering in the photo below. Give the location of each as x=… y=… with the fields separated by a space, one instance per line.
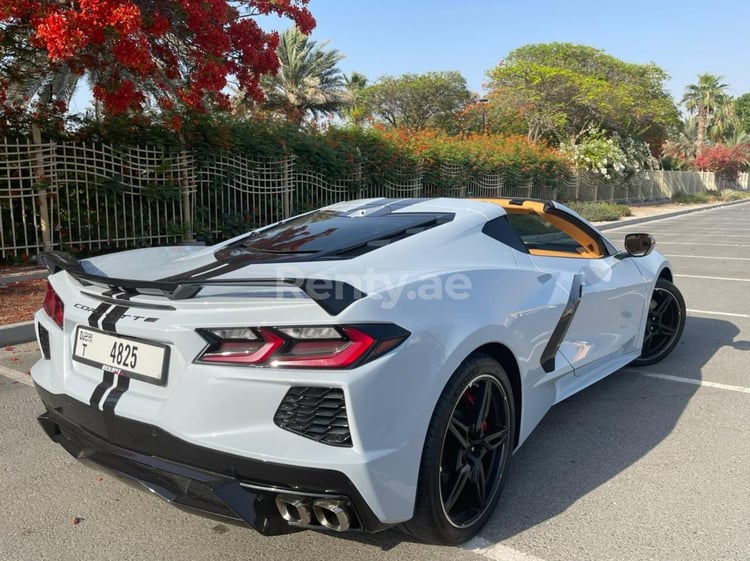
x=146 y=319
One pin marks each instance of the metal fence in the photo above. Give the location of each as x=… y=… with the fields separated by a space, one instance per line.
x=89 y=198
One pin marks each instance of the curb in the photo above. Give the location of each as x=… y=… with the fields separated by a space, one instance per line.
x=32 y=274
x=641 y=219
x=17 y=333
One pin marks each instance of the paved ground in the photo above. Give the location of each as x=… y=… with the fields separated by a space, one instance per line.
x=651 y=463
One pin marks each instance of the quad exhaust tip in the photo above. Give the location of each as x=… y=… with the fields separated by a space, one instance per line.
x=333 y=514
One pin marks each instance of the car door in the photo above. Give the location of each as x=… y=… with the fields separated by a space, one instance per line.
x=607 y=320
x=607 y=292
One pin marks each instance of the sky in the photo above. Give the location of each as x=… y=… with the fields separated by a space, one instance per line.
x=393 y=37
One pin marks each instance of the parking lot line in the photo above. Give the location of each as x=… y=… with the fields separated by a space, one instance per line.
x=712 y=278
x=706 y=244
x=728 y=314
x=496 y=551
x=708 y=257
x=680 y=379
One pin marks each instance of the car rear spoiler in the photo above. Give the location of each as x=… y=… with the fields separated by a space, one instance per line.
x=331 y=295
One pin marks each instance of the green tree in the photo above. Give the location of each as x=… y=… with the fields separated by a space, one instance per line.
x=682 y=141
x=742 y=111
x=308 y=82
x=708 y=101
x=417 y=101
x=562 y=90
x=355 y=85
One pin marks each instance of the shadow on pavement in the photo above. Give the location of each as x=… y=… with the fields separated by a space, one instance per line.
x=593 y=436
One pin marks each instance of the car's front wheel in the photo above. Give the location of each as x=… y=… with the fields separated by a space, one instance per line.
x=466 y=454
x=664 y=324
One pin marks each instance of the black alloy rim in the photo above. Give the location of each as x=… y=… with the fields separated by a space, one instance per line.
x=664 y=316
x=474 y=453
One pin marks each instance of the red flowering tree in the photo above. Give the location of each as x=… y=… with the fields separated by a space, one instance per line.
x=177 y=53
x=725 y=161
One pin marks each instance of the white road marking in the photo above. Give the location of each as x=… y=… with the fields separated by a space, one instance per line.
x=712 y=278
x=657 y=235
x=693 y=381
x=708 y=257
x=496 y=551
x=658 y=243
x=15 y=375
x=727 y=314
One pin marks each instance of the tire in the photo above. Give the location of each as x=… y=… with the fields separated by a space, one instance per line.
x=664 y=325
x=466 y=455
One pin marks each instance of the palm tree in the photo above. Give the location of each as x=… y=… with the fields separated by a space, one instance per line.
x=682 y=142
x=308 y=81
x=706 y=100
x=355 y=84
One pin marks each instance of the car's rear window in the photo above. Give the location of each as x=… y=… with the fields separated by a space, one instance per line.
x=327 y=231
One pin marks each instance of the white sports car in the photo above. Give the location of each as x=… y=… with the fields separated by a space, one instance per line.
x=369 y=364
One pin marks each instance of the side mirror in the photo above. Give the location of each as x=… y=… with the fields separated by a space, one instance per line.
x=639 y=245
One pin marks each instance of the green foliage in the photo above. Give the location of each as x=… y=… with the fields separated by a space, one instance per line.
x=308 y=82
x=681 y=197
x=449 y=162
x=417 y=101
x=562 y=89
x=600 y=212
x=702 y=197
x=611 y=156
x=712 y=106
x=742 y=110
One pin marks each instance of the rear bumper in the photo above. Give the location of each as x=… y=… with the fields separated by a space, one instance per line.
x=193 y=477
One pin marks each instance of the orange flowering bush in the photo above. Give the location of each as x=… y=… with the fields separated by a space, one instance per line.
x=467 y=159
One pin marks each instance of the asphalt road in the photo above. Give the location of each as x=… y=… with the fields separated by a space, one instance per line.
x=651 y=463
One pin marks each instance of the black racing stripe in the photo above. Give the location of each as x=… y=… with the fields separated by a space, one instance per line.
x=103 y=386
x=193 y=273
x=100 y=310
x=118 y=294
x=228 y=267
x=556 y=339
x=108 y=324
x=123 y=382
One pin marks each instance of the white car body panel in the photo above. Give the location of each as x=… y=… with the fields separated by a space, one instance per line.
x=515 y=300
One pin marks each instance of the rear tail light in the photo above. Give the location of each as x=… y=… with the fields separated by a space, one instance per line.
x=301 y=347
x=53 y=305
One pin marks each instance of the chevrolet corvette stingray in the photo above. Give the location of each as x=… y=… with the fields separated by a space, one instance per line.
x=370 y=364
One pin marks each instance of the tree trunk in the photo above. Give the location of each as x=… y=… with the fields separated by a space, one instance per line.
x=701 y=131
x=40 y=179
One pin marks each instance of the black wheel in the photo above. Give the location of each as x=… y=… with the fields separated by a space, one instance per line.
x=466 y=454
x=664 y=325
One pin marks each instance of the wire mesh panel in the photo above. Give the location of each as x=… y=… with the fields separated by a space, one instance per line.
x=236 y=193
x=312 y=190
x=26 y=172
x=488 y=186
x=110 y=197
x=403 y=180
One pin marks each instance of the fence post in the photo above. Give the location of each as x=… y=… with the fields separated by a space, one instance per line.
x=185 y=188
x=286 y=186
x=41 y=197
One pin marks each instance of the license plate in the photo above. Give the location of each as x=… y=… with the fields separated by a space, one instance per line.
x=125 y=356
